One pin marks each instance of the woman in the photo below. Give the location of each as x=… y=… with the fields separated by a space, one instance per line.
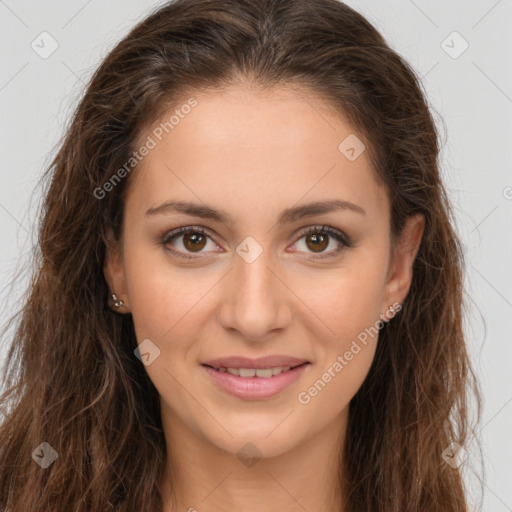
x=249 y=291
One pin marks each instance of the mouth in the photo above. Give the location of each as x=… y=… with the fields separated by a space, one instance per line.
x=261 y=373
x=255 y=383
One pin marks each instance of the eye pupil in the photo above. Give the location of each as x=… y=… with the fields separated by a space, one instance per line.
x=194 y=238
x=319 y=242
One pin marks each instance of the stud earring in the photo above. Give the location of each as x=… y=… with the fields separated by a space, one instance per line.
x=392 y=309
x=117 y=302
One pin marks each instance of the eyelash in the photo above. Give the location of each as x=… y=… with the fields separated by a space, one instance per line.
x=345 y=241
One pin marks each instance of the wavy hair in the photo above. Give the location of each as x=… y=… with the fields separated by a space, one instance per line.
x=71 y=376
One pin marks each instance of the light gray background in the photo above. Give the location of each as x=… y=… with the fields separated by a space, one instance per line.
x=472 y=93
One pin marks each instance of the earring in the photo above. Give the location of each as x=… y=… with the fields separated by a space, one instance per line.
x=392 y=309
x=117 y=302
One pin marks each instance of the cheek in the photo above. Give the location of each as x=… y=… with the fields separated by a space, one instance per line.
x=168 y=310
x=161 y=297
x=348 y=299
x=349 y=303
x=351 y=310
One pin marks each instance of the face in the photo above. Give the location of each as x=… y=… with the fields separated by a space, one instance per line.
x=255 y=272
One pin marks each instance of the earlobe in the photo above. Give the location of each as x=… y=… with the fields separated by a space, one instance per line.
x=405 y=254
x=114 y=275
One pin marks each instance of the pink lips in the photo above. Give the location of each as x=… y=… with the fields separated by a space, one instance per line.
x=254 y=388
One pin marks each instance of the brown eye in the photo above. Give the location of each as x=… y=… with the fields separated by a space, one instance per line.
x=318 y=242
x=324 y=241
x=187 y=242
x=194 y=241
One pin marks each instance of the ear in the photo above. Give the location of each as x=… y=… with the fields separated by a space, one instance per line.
x=113 y=270
x=401 y=266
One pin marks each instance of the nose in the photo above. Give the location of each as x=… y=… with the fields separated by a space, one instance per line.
x=255 y=301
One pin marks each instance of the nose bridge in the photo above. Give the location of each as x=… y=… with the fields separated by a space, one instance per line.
x=255 y=301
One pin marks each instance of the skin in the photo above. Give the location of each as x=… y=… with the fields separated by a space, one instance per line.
x=255 y=154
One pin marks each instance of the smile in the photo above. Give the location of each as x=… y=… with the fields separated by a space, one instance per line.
x=255 y=383
x=262 y=373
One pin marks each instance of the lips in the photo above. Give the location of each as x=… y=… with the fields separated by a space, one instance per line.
x=255 y=379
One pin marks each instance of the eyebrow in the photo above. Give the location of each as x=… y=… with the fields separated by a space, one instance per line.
x=287 y=216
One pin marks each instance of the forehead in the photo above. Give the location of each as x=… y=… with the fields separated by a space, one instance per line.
x=251 y=145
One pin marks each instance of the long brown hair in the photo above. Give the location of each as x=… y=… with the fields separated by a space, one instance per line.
x=71 y=375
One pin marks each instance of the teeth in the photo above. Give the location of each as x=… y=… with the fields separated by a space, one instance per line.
x=264 y=372
x=247 y=372
x=253 y=372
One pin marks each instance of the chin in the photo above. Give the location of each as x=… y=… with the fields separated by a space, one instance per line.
x=268 y=438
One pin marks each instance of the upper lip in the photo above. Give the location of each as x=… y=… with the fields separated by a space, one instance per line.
x=262 y=362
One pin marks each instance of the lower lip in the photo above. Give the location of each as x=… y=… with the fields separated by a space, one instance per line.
x=254 y=388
